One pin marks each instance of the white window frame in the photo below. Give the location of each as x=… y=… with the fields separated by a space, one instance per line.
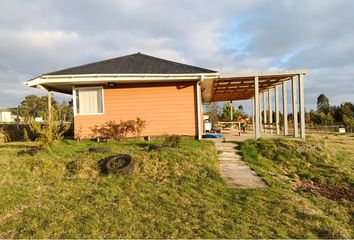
x=75 y=103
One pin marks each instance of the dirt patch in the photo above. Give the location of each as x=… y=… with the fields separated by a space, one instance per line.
x=331 y=191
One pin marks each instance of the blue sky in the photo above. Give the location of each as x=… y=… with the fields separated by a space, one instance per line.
x=39 y=36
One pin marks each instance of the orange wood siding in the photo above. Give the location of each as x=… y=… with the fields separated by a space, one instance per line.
x=166 y=107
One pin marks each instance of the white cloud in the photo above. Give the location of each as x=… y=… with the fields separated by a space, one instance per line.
x=45 y=39
x=40 y=36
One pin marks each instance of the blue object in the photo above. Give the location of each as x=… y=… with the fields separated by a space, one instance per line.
x=213 y=135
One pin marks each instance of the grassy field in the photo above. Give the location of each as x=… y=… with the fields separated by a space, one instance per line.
x=178 y=193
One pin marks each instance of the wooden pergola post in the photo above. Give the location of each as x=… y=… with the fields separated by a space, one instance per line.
x=260 y=112
x=253 y=115
x=270 y=110
x=256 y=98
x=265 y=112
x=302 y=105
x=294 y=98
x=285 y=109
x=276 y=99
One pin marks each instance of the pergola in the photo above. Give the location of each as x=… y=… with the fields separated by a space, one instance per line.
x=258 y=87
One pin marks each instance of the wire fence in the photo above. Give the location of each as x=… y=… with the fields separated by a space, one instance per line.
x=334 y=128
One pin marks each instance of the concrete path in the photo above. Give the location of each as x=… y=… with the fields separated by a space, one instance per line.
x=234 y=170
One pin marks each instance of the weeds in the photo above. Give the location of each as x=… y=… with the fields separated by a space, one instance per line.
x=4 y=137
x=83 y=167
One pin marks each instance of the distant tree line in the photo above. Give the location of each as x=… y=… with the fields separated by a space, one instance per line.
x=326 y=114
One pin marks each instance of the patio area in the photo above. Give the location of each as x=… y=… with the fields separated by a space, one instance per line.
x=262 y=89
x=233 y=135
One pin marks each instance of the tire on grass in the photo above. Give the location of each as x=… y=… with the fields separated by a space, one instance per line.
x=119 y=163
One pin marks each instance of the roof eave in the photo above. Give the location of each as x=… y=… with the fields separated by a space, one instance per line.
x=78 y=79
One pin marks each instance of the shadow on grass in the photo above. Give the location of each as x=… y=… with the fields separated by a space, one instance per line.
x=152 y=146
x=15 y=146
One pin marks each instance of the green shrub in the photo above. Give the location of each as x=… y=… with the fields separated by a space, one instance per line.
x=172 y=140
x=4 y=137
x=50 y=131
x=25 y=135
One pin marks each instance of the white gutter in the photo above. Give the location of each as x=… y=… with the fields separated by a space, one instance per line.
x=123 y=78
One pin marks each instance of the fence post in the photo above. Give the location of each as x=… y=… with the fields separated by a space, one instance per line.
x=18 y=118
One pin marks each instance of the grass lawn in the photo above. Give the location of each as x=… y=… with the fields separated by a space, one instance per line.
x=178 y=192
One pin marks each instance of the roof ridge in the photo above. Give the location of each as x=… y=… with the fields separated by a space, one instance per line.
x=128 y=63
x=100 y=61
x=170 y=61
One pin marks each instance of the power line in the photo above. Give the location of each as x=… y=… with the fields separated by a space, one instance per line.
x=18 y=71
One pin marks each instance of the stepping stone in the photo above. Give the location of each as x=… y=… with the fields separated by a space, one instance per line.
x=234 y=170
x=230 y=151
x=225 y=145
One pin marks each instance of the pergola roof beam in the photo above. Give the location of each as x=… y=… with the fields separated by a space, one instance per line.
x=241 y=86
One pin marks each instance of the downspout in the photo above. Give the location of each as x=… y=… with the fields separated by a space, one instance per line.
x=198 y=107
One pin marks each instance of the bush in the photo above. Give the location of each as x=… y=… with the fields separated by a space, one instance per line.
x=172 y=140
x=25 y=135
x=49 y=131
x=3 y=136
x=118 y=131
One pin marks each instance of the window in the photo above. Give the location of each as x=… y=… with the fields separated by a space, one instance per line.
x=88 y=101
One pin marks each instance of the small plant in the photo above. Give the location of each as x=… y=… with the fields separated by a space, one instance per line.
x=25 y=135
x=139 y=126
x=50 y=131
x=172 y=140
x=119 y=131
x=4 y=137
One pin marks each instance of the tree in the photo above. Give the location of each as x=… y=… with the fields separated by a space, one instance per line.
x=240 y=108
x=323 y=104
x=213 y=112
x=30 y=107
x=348 y=121
x=65 y=111
x=226 y=113
x=347 y=114
x=33 y=106
x=322 y=118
